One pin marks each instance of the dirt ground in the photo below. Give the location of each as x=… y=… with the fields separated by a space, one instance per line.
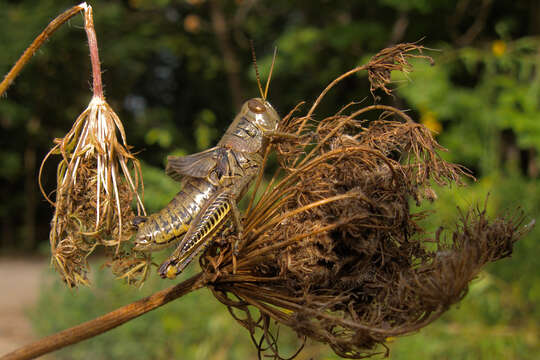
x=20 y=283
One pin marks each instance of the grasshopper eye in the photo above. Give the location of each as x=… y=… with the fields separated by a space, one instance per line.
x=256 y=106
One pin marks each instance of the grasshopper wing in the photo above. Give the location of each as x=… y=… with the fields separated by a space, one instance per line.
x=197 y=165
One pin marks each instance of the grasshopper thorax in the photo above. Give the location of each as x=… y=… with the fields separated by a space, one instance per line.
x=251 y=127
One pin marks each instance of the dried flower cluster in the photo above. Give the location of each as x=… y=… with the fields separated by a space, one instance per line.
x=332 y=249
x=97 y=182
x=335 y=252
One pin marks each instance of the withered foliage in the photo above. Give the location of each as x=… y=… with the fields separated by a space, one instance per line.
x=97 y=182
x=332 y=249
x=395 y=58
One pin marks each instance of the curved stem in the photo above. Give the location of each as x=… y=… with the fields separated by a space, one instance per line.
x=106 y=322
x=326 y=90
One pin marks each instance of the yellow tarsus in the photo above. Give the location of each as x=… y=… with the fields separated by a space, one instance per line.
x=171 y=271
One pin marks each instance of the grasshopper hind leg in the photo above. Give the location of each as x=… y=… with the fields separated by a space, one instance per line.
x=200 y=235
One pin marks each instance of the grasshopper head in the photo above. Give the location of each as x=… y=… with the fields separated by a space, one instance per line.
x=259 y=111
x=262 y=114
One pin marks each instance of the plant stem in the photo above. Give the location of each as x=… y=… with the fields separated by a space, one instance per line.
x=36 y=44
x=105 y=322
x=94 y=54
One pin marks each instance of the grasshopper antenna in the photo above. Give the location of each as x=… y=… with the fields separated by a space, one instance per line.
x=256 y=70
x=270 y=74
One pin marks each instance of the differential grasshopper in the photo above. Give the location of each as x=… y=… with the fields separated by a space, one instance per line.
x=214 y=181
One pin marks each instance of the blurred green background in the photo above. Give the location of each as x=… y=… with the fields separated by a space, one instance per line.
x=176 y=72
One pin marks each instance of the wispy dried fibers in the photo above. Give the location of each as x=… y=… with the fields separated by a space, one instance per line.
x=335 y=253
x=332 y=249
x=98 y=183
x=395 y=58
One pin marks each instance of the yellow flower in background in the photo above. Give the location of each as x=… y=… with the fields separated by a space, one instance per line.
x=429 y=120
x=498 y=48
x=192 y=23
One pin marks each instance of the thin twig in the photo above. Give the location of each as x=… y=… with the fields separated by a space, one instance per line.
x=30 y=51
x=327 y=89
x=94 y=54
x=106 y=322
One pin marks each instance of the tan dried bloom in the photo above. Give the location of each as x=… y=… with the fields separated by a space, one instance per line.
x=98 y=179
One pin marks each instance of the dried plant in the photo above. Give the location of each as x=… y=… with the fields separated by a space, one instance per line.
x=98 y=179
x=332 y=250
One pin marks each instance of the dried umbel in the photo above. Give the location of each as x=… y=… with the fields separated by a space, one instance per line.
x=335 y=253
x=98 y=180
x=332 y=249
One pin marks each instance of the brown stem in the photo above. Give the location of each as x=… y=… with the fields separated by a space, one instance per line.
x=94 y=54
x=326 y=90
x=232 y=65
x=106 y=322
x=29 y=52
x=277 y=220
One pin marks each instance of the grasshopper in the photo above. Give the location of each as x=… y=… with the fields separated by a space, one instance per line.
x=213 y=182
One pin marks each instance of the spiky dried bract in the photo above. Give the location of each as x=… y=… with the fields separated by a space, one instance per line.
x=98 y=179
x=133 y=267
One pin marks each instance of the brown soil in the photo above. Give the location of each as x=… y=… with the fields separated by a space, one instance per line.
x=20 y=281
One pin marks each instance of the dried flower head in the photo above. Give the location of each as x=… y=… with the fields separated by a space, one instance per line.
x=332 y=249
x=334 y=252
x=395 y=58
x=98 y=179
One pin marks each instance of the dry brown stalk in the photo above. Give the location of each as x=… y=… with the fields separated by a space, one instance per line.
x=36 y=44
x=106 y=322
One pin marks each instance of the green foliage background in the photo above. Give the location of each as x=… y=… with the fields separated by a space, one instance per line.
x=166 y=77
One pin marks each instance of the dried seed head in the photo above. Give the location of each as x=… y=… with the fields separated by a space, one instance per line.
x=334 y=252
x=395 y=58
x=98 y=179
x=332 y=249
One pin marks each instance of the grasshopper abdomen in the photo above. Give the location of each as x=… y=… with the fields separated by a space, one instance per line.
x=167 y=226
